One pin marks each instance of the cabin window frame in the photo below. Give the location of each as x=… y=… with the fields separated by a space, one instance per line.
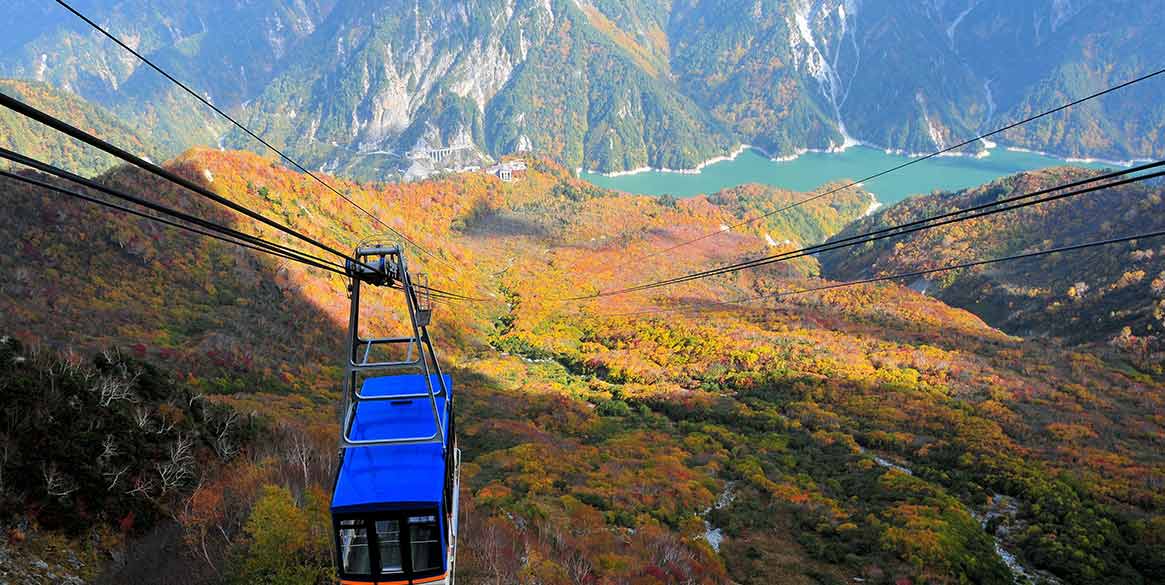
x=439 y=534
x=358 y=525
x=400 y=527
x=402 y=517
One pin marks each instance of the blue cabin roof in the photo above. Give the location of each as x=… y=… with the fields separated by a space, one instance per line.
x=386 y=477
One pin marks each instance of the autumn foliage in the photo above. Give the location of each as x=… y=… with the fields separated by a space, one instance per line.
x=667 y=437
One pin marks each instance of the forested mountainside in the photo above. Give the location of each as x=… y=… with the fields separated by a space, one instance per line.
x=228 y=51
x=801 y=224
x=614 y=84
x=1113 y=294
x=507 y=76
x=30 y=138
x=871 y=432
x=919 y=75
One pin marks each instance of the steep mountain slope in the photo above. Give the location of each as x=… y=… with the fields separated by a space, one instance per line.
x=1076 y=47
x=869 y=432
x=229 y=52
x=607 y=86
x=614 y=84
x=920 y=75
x=25 y=136
x=756 y=74
x=1110 y=293
x=559 y=79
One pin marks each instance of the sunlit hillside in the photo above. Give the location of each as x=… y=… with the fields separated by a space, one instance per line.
x=27 y=137
x=865 y=433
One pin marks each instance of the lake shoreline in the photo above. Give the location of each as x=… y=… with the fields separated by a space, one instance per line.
x=1085 y=160
x=809 y=170
x=742 y=148
x=692 y=171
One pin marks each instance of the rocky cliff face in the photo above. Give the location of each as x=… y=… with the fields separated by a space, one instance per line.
x=379 y=81
x=614 y=84
x=920 y=76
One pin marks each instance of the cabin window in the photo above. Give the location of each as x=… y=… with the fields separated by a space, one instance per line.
x=354 y=548
x=388 y=539
x=425 y=541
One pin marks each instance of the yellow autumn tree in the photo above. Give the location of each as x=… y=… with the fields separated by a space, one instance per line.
x=282 y=549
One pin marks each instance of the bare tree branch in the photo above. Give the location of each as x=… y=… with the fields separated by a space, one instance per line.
x=56 y=483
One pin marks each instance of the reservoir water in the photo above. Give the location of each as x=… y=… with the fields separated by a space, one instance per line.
x=813 y=169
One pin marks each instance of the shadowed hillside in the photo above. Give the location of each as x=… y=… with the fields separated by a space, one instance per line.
x=1115 y=293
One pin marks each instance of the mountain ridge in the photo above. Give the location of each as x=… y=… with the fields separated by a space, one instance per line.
x=617 y=85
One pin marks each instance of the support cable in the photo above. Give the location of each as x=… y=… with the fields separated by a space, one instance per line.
x=123 y=209
x=91 y=184
x=78 y=134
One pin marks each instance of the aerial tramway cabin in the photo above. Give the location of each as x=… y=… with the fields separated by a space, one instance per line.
x=394 y=504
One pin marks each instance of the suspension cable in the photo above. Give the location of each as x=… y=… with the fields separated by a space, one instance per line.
x=46 y=168
x=78 y=134
x=123 y=209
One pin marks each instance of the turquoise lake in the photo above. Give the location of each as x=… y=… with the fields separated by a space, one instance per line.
x=813 y=169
